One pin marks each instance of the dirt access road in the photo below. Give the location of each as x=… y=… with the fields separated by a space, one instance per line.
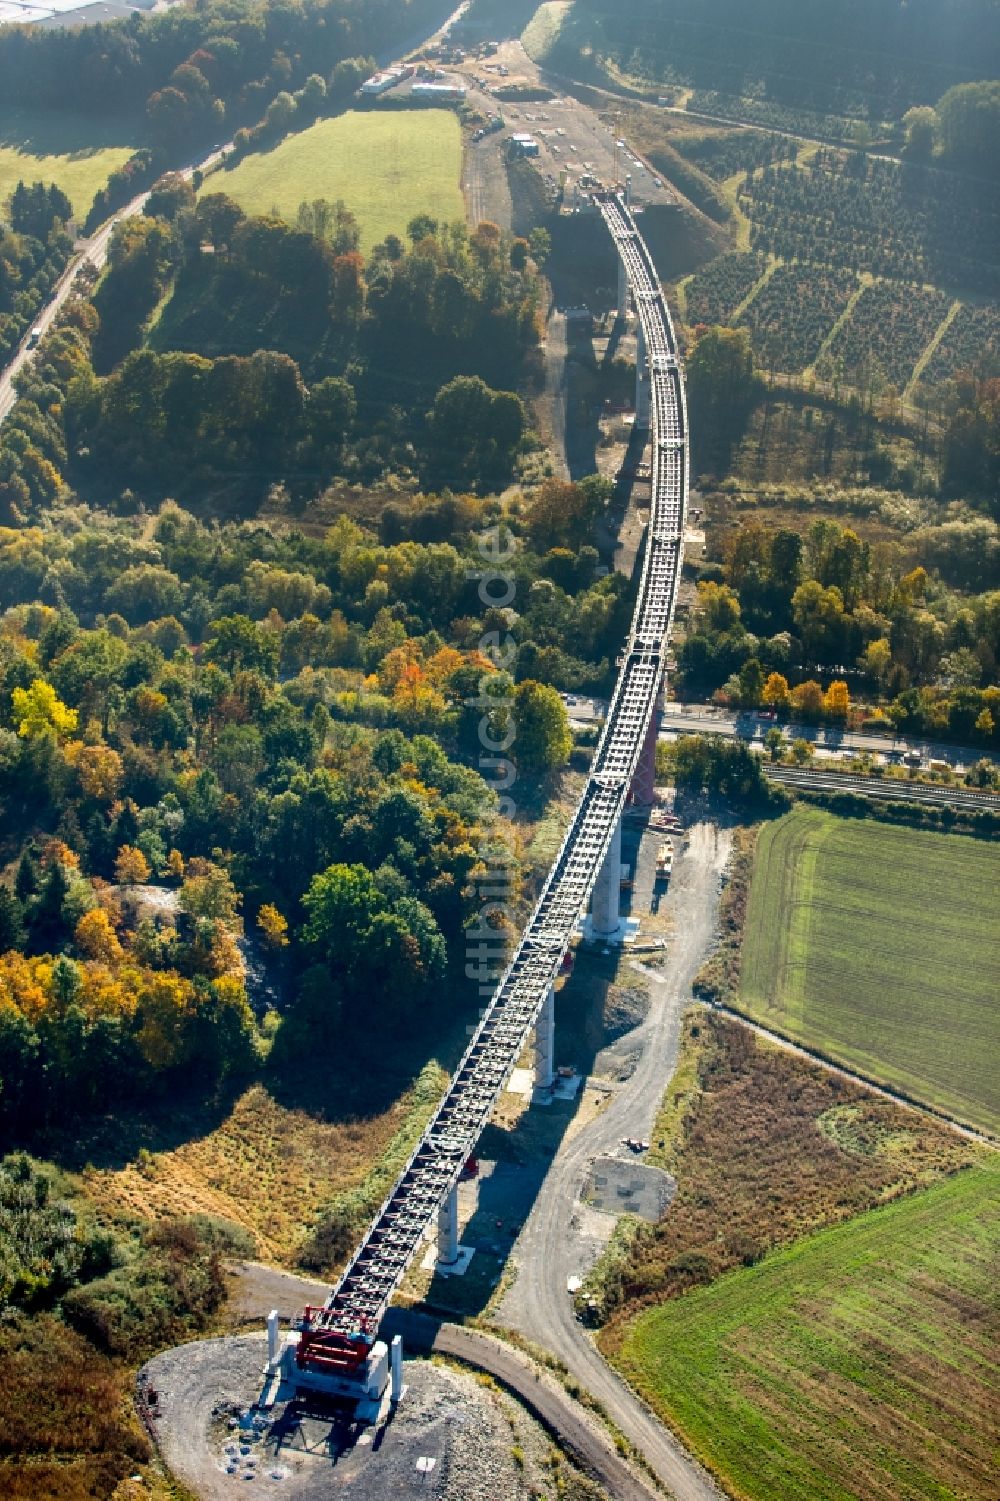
x=554 y=1244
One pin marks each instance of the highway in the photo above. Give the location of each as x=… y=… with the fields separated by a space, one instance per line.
x=826 y=740
x=703 y=719
x=95 y=252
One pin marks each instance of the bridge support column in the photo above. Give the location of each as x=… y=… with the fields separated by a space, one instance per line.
x=545 y=1042
x=643 y=788
x=397 y=1389
x=642 y=381
x=605 y=923
x=273 y=1340
x=622 y=291
x=448 y=1229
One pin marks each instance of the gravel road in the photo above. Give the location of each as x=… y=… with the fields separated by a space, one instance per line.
x=554 y=1242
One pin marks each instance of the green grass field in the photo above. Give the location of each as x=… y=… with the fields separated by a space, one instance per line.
x=387 y=167
x=75 y=153
x=880 y=946
x=855 y=1364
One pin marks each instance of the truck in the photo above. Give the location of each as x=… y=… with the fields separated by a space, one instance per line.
x=664 y=860
x=34 y=338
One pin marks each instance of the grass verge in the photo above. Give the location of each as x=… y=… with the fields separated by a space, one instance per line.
x=880 y=946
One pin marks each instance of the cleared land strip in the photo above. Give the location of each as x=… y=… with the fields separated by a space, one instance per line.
x=761 y=281
x=929 y=349
x=846 y=313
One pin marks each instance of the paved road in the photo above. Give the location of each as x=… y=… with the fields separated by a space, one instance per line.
x=94 y=251
x=892 y=789
x=546 y=1254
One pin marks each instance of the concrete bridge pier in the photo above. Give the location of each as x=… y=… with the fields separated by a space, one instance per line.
x=643 y=385
x=643 y=788
x=545 y=1040
x=447 y=1237
x=622 y=273
x=605 y=924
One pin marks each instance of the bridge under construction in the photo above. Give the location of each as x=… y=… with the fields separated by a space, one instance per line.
x=336 y=1348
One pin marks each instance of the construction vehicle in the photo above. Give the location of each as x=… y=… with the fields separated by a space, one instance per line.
x=664 y=860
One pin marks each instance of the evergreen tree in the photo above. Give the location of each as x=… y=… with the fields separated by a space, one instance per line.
x=26 y=881
x=45 y=915
x=11 y=924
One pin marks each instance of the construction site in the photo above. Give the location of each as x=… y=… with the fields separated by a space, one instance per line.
x=329 y=1380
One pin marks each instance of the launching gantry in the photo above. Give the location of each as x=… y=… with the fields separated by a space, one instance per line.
x=336 y=1347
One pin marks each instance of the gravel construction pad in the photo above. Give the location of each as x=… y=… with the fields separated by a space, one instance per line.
x=626 y=1186
x=462 y=1433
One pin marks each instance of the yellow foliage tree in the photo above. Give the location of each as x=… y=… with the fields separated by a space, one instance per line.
x=175 y=865
x=776 y=691
x=99 y=768
x=223 y=957
x=57 y=852
x=878 y=659
x=416 y=698
x=273 y=926
x=106 y=993
x=837 y=699
x=96 y=938
x=38 y=710
x=131 y=866
x=26 y=983
x=209 y=893
x=165 y=1007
